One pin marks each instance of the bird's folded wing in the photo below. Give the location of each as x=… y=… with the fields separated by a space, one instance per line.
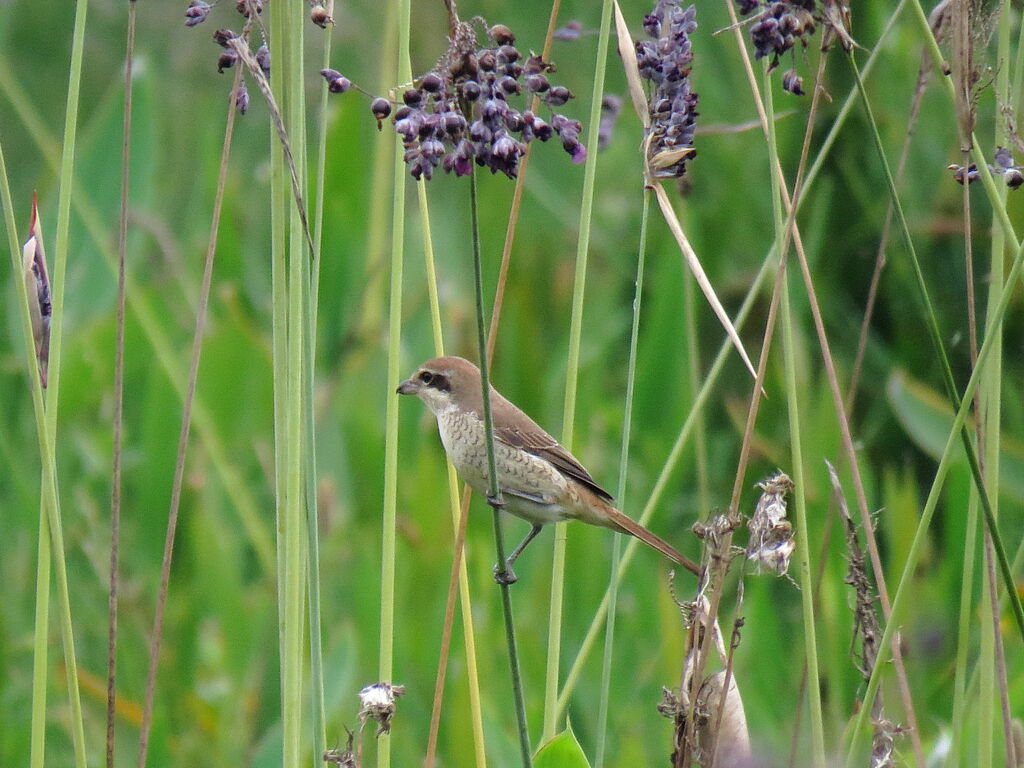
x=541 y=444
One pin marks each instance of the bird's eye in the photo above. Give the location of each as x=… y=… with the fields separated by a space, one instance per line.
x=426 y=377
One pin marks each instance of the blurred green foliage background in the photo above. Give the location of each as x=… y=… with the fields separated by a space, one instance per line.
x=218 y=683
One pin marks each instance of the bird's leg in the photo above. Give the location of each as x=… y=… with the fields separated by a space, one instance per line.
x=506 y=575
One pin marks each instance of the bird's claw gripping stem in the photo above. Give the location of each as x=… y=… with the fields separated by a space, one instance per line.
x=504 y=575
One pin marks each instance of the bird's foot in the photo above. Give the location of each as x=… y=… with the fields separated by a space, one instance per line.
x=504 y=575
x=495 y=501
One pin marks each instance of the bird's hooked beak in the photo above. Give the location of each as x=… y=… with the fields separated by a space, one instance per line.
x=408 y=387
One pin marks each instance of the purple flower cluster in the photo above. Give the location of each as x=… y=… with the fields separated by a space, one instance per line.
x=777 y=28
x=463 y=111
x=666 y=61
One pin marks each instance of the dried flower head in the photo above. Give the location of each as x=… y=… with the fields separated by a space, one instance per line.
x=666 y=61
x=377 y=703
x=465 y=110
x=771 y=542
x=343 y=758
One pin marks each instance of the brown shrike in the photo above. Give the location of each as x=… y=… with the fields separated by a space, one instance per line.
x=540 y=481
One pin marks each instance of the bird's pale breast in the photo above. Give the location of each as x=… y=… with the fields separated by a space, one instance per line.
x=533 y=489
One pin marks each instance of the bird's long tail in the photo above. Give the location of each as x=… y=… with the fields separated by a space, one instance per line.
x=633 y=528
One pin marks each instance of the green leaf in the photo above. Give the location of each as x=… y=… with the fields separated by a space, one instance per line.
x=563 y=751
x=926 y=417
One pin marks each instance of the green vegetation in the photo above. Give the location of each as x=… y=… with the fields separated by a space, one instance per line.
x=291 y=376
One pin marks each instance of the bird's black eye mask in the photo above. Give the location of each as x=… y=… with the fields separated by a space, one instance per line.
x=436 y=381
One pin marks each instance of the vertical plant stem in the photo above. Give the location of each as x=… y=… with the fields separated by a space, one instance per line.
x=115 y=486
x=782 y=221
x=290 y=38
x=37 y=750
x=627 y=422
x=990 y=422
x=40 y=638
x=49 y=415
x=388 y=533
x=493 y=489
x=49 y=507
x=693 y=375
x=279 y=341
x=803 y=541
x=572 y=370
x=312 y=509
x=963 y=640
x=460 y=575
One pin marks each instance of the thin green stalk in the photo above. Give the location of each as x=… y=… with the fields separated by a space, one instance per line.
x=49 y=506
x=279 y=341
x=286 y=32
x=799 y=486
x=493 y=489
x=984 y=713
x=693 y=377
x=627 y=422
x=388 y=532
x=469 y=637
x=118 y=418
x=963 y=638
x=554 y=650
x=316 y=667
x=947 y=373
x=312 y=510
x=40 y=638
x=668 y=468
x=48 y=416
x=917 y=544
x=988 y=432
x=803 y=541
x=41 y=632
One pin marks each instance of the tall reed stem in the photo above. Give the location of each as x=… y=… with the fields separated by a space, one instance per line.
x=388 y=532
x=627 y=423
x=554 y=650
x=493 y=489
x=782 y=219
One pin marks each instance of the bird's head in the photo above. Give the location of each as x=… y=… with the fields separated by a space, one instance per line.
x=445 y=382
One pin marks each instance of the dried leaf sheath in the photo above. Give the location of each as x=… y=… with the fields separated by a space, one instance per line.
x=37 y=284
